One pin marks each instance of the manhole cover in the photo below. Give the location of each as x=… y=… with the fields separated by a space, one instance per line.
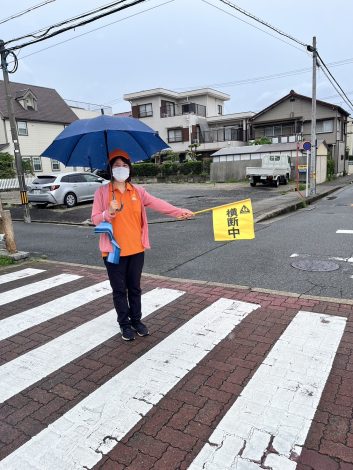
x=315 y=265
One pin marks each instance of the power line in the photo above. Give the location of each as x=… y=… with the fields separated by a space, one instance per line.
x=46 y=29
x=265 y=23
x=77 y=25
x=247 y=81
x=253 y=26
x=344 y=96
x=96 y=29
x=347 y=101
x=310 y=48
x=23 y=12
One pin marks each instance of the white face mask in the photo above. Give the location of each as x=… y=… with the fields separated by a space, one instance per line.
x=121 y=173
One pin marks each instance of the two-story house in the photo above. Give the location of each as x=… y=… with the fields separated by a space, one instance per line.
x=289 y=120
x=194 y=116
x=41 y=114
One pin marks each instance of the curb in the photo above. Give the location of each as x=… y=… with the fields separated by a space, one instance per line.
x=206 y=283
x=294 y=206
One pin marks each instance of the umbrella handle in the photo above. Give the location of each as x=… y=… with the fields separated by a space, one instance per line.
x=114 y=199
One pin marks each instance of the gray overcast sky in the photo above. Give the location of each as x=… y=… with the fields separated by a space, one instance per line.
x=185 y=44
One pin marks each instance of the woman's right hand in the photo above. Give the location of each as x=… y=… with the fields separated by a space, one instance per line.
x=113 y=206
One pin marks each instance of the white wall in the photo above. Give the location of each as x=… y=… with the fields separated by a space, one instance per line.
x=40 y=136
x=85 y=113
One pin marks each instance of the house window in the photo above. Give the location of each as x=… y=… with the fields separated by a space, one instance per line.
x=175 y=135
x=220 y=109
x=145 y=110
x=31 y=103
x=37 y=163
x=55 y=165
x=170 y=108
x=22 y=128
x=324 y=126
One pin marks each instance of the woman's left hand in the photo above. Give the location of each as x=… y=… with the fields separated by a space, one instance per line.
x=186 y=214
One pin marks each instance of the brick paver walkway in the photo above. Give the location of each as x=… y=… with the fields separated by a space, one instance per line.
x=74 y=393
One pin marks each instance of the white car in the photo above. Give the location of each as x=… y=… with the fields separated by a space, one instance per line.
x=64 y=188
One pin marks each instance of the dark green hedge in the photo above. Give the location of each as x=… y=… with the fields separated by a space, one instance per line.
x=168 y=169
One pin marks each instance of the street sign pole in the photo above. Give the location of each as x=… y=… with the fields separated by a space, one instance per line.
x=313 y=124
x=307 y=147
x=307 y=175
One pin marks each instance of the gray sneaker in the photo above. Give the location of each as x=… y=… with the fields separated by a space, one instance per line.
x=140 y=328
x=127 y=333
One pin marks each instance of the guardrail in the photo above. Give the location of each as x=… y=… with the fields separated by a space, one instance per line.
x=8 y=184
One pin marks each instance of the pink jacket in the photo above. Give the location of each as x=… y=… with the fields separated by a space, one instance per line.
x=100 y=213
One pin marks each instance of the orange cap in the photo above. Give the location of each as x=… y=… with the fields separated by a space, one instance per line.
x=118 y=153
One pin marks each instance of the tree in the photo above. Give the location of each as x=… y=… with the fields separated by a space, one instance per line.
x=7 y=166
x=27 y=167
x=170 y=156
x=191 y=154
x=261 y=141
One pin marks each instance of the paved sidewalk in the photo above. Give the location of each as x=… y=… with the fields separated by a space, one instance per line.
x=261 y=379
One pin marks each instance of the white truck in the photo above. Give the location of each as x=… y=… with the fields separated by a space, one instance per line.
x=274 y=170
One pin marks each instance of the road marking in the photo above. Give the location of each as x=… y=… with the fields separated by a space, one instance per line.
x=270 y=420
x=14 y=276
x=31 y=367
x=35 y=287
x=34 y=316
x=94 y=426
x=335 y=258
x=345 y=231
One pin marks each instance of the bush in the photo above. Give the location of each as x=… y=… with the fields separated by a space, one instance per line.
x=168 y=169
x=330 y=169
x=206 y=165
x=191 y=168
x=6 y=166
x=146 y=169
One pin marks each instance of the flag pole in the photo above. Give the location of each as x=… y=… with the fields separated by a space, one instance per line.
x=219 y=207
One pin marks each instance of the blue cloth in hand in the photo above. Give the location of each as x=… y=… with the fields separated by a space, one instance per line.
x=106 y=227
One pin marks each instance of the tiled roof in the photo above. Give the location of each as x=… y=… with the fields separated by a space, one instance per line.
x=51 y=107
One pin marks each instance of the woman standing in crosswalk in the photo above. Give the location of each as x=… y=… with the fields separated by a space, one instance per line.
x=123 y=205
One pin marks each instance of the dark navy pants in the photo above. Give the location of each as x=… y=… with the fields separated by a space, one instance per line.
x=125 y=280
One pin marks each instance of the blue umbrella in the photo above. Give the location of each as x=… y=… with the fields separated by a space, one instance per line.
x=87 y=142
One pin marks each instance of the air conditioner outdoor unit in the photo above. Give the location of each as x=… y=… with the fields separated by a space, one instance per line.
x=195 y=141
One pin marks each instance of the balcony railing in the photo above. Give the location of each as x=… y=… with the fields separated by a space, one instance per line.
x=171 y=110
x=222 y=134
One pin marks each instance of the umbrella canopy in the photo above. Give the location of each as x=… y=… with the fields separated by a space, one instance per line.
x=87 y=142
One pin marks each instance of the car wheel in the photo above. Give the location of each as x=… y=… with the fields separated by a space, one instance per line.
x=253 y=184
x=70 y=200
x=276 y=183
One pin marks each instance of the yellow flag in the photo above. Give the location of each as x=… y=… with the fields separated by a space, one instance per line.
x=234 y=221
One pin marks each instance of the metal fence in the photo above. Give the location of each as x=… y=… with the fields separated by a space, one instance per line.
x=8 y=184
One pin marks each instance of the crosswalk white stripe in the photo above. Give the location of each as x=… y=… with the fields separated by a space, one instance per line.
x=35 y=287
x=27 y=369
x=345 y=231
x=34 y=316
x=276 y=408
x=14 y=276
x=92 y=428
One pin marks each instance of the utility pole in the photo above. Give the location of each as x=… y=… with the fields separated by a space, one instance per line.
x=10 y=109
x=313 y=121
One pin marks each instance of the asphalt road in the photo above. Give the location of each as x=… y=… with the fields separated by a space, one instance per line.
x=186 y=249
x=193 y=196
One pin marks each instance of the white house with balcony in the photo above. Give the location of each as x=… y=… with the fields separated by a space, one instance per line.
x=193 y=116
x=41 y=114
